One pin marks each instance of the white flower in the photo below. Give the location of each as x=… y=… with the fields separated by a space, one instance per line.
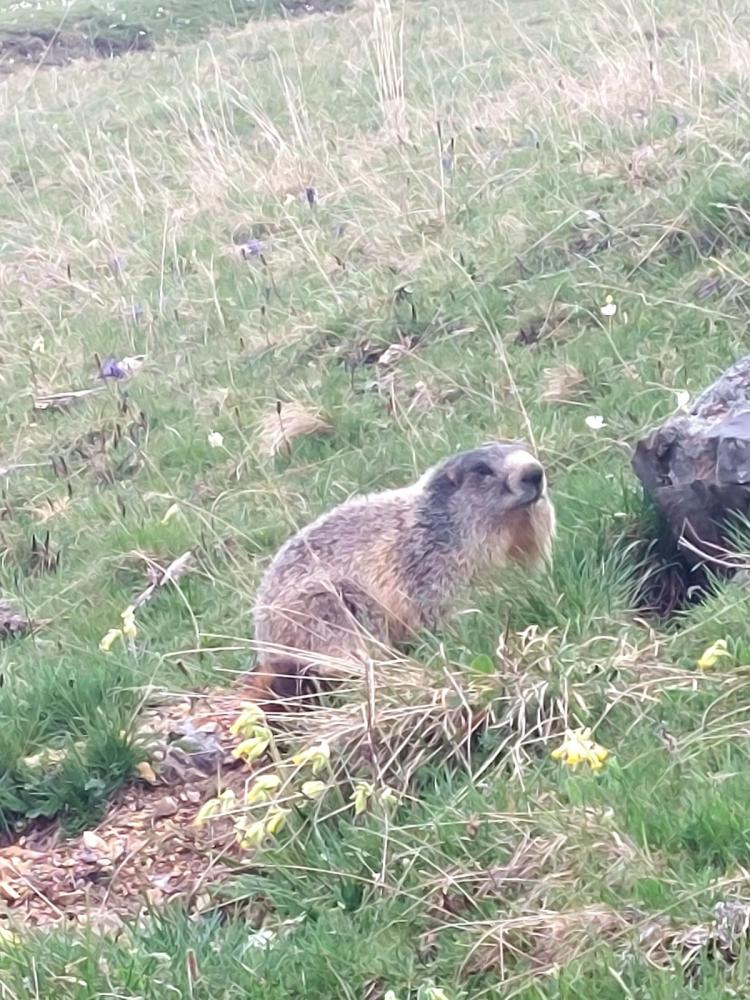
x=261 y=938
x=595 y=423
x=683 y=398
x=215 y=439
x=609 y=308
x=129 y=366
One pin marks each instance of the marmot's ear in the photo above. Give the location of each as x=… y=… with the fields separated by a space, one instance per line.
x=450 y=477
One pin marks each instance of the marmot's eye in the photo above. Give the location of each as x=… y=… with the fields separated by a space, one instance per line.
x=482 y=469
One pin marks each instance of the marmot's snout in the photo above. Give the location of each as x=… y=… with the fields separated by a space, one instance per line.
x=525 y=479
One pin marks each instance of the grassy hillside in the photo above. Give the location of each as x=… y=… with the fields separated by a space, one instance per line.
x=259 y=208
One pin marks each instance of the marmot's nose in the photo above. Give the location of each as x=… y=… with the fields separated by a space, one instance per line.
x=532 y=479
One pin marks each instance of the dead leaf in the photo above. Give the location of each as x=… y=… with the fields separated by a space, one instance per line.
x=177 y=568
x=191 y=963
x=162 y=576
x=392 y=355
x=289 y=421
x=8 y=893
x=52 y=508
x=62 y=400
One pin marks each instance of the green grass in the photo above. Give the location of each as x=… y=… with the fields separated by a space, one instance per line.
x=578 y=173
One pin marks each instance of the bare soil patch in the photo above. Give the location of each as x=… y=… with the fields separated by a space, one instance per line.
x=147 y=850
x=51 y=47
x=54 y=46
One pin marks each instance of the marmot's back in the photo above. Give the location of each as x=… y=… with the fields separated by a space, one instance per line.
x=338 y=579
x=346 y=542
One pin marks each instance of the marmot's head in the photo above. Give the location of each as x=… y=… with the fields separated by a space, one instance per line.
x=497 y=496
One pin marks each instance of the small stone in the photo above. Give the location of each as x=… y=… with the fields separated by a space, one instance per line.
x=167 y=806
x=93 y=842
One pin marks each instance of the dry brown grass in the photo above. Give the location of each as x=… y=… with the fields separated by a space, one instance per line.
x=548 y=939
x=280 y=428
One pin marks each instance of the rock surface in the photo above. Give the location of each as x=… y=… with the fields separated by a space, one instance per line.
x=696 y=465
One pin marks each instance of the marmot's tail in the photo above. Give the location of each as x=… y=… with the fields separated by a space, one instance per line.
x=284 y=685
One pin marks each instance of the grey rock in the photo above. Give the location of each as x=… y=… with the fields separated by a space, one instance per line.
x=696 y=465
x=191 y=751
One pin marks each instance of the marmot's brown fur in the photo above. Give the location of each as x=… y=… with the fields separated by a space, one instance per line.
x=377 y=569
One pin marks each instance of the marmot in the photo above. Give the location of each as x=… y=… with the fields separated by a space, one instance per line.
x=379 y=568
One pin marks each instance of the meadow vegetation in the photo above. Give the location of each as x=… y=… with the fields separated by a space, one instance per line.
x=413 y=220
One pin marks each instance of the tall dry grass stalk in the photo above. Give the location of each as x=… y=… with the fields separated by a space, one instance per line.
x=386 y=53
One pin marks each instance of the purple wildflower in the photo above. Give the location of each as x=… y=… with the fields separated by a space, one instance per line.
x=117 y=264
x=110 y=368
x=252 y=248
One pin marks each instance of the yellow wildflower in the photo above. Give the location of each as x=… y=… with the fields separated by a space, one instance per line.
x=713 y=654
x=275 y=821
x=110 y=639
x=388 y=796
x=252 y=835
x=9 y=938
x=262 y=788
x=318 y=756
x=313 y=789
x=578 y=748
x=256 y=746
x=146 y=772
x=227 y=800
x=209 y=809
x=248 y=720
x=174 y=508
x=129 y=629
x=361 y=796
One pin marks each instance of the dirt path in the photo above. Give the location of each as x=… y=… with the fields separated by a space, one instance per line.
x=146 y=851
